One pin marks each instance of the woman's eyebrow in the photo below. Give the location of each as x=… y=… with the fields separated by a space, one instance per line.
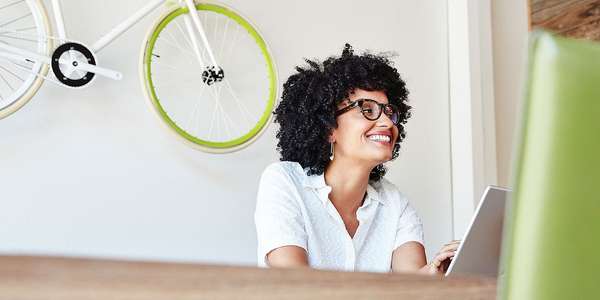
x=375 y=100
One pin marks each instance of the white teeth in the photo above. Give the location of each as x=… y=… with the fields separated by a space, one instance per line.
x=379 y=138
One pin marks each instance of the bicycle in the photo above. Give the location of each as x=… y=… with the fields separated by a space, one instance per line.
x=208 y=73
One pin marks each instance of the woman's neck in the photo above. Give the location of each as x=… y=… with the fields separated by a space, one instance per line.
x=348 y=183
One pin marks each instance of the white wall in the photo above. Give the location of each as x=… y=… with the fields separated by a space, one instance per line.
x=92 y=172
x=472 y=124
x=509 y=31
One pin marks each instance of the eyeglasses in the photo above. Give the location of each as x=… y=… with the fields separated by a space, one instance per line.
x=372 y=109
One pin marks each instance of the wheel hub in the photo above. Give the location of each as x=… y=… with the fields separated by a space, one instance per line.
x=212 y=75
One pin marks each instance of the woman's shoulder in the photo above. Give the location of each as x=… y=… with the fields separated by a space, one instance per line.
x=279 y=184
x=290 y=170
x=287 y=167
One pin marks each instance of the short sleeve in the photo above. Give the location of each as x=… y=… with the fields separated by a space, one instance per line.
x=278 y=216
x=410 y=227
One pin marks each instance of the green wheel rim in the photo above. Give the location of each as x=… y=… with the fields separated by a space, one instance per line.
x=270 y=69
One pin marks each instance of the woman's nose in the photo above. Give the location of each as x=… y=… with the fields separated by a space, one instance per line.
x=384 y=121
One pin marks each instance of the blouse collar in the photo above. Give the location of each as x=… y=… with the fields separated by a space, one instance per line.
x=317 y=182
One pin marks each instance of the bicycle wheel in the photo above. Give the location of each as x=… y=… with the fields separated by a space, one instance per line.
x=221 y=117
x=24 y=25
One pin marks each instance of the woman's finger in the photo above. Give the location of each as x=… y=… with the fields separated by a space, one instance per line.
x=436 y=262
x=451 y=247
x=443 y=256
x=453 y=242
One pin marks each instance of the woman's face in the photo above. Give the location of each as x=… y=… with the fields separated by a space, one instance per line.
x=358 y=138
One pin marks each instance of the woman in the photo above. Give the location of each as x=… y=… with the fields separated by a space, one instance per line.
x=326 y=205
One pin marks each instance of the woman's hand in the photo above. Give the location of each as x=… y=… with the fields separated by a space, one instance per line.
x=437 y=265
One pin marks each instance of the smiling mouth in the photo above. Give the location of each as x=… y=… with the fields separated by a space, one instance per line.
x=384 y=139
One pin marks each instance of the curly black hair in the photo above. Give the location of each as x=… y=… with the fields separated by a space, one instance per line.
x=306 y=113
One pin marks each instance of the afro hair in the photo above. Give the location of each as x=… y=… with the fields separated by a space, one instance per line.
x=306 y=113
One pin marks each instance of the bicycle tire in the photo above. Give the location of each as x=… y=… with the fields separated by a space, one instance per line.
x=9 y=69
x=164 y=100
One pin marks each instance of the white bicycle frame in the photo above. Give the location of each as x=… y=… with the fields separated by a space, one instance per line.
x=191 y=20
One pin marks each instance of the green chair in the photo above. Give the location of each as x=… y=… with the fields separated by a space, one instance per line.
x=551 y=246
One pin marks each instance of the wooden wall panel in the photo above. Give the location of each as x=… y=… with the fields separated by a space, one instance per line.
x=572 y=18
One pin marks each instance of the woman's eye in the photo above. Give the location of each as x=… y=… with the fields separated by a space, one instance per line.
x=367 y=110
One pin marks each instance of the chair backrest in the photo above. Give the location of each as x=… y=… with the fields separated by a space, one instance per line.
x=551 y=242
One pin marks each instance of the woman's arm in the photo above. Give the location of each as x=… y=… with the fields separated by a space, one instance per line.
x=410 y=257
x=287 y=257
x=280 y=228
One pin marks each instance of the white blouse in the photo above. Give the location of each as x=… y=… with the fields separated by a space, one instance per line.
x=294 y=209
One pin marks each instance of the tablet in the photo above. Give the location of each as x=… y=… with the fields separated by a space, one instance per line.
x=479 y=251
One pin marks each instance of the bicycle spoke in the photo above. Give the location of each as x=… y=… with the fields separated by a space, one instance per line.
x=203 y=50
x=6 y=81
x=197 y=108
x=220 y=52
x=174 y=72
x=185 y=36
x=15 y=20
x=40 y=38
x=212 y=119
x=189 y=43
x=11 y=4
x=181 y=48
x=17 y=38
x=171 y=68
x=19 y=66
x=173 y=43
x=193 y=121
x=203 y=54
x=239 y=103
x=174 y=84
x=11 y=73
x=225 y=119
x=217 y=120
x=22 y=66
x=17 y=30
x=233 y=41
x=216 y=27
x=31 y=72
x=225 y=115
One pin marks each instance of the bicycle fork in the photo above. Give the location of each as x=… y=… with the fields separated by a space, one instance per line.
x=210 y=74
x=195 y=19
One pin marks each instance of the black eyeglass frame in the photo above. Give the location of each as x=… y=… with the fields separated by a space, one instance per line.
x=382 y=108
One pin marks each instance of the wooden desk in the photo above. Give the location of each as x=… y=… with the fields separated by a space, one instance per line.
x=23 y=277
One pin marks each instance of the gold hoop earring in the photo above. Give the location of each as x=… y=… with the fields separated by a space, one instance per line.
x=331 y=151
